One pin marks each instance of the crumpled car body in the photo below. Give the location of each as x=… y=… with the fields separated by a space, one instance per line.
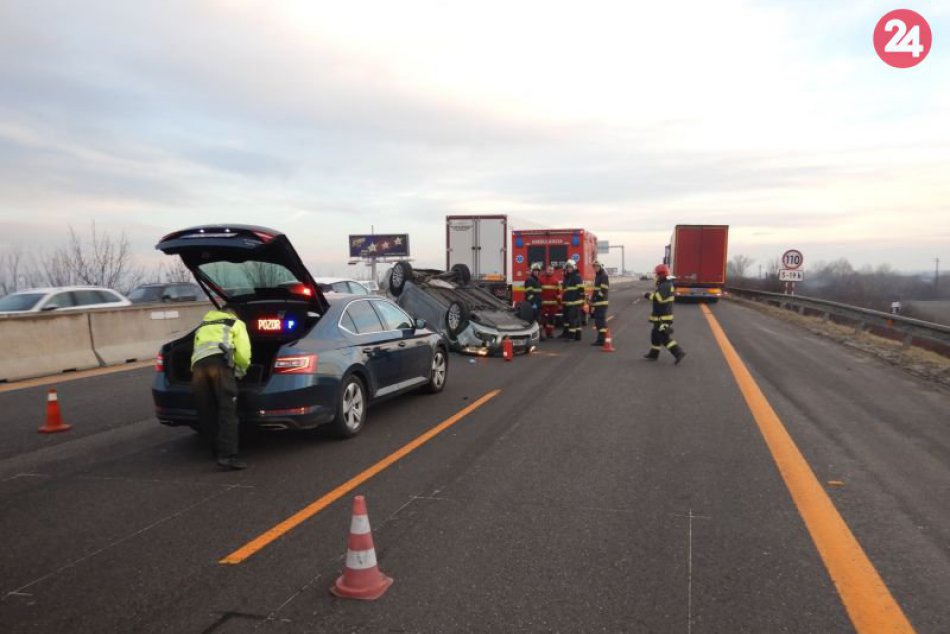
x=471 y=318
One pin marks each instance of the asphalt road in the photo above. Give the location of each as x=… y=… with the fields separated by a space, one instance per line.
x=594 y=492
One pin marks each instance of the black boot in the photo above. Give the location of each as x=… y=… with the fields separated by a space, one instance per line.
x=577 y=335
x=652 y=355
x=600 y=342
x=679 y=354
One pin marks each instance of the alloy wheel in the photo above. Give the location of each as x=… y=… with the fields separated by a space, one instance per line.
x=353 y=406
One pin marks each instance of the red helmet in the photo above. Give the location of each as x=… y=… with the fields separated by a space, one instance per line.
x=662 y=270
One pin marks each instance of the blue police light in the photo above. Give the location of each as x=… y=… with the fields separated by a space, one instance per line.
x=575 y=240
x=519 y=241
x=290 y=324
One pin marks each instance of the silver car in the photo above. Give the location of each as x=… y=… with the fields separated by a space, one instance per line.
x=471 y=318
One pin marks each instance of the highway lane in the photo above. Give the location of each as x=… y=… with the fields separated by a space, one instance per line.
x=597 y=492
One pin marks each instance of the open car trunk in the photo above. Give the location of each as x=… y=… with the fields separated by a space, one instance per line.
x=265 y=344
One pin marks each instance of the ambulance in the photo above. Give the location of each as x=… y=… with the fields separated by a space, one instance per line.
x=551 y=246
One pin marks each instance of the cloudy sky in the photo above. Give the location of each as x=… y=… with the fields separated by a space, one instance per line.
x=323 y=119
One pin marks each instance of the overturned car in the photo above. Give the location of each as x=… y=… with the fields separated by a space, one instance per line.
x=471 y=318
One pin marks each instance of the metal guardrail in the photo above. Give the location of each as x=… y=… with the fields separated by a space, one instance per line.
x=937 y=335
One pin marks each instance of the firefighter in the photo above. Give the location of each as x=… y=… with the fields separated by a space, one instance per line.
x=532 y=292
x=573 y=301
x=550 y=301
x=222 y=354
x=662 y=316
x=598 y=302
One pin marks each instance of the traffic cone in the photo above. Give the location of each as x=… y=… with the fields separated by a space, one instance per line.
x=507 y=350
x=361 y=578
x=608 y=343
x=54 y=421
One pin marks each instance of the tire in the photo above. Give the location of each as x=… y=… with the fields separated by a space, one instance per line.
x=462 y=274
x=526 y=312
x=398 y=276
x=456 y=318
x=440 y=371
x=350 y=409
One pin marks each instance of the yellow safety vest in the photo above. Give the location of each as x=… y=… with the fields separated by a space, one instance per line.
x=223 y=333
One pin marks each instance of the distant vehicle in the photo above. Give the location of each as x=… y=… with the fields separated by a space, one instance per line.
x=697 y=256
x=317 y=359
x=171 y=292
x=371 y=285
x=37 y=300
x=341 y=285
x=554 y=247
x=470 y=317
x=481 y=244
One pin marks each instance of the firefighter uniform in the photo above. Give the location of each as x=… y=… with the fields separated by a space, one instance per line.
x=573 y=301
x=222 y=354
x=550 y=301
x=532 y=292
x=661 y=317
x=598 y=302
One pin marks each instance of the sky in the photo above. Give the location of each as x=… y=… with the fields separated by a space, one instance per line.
x=324 y=119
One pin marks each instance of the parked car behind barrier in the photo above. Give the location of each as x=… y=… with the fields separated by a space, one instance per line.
x=171 y=292
x=36 y=300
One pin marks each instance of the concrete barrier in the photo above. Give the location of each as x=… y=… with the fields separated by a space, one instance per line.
x=45 y=344
x=136 y=334
x=49 y=343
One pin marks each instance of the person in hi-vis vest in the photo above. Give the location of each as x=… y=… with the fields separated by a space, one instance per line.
x=222 y=354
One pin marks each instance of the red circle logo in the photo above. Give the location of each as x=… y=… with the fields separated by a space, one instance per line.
x=902 y=38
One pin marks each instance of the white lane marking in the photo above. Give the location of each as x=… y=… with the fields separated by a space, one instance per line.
x=76 y=562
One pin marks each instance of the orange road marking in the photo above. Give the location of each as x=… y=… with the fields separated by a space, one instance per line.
x=73 y=376
x=284 y=527
x=868 y=601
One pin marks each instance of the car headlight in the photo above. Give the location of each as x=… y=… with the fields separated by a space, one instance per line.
x=487 y=337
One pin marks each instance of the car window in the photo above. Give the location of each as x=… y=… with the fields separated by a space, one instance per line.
x=146 y=294
x=394 y=318
x=60 y=300
x=347 y=322
x=357 y=289
x=85 y=298
x=20 y=301
x=185 y=292
x=340 y=287
x=364 y=318
x=107 y=297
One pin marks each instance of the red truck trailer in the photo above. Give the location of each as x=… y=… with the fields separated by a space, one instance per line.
x=551 y=246
x=697 y=257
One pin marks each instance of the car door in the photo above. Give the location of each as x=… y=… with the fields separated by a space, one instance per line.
x=379 y=348
x=415 y=353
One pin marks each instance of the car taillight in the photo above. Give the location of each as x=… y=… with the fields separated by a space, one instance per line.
x=297 y=364
x=159 y=363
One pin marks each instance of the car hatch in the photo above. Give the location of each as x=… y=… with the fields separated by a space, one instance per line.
x=241 y=264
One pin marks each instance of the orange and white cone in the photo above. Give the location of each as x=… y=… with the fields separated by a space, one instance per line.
x=54 y=420
x=608 y=343
x=361 y=578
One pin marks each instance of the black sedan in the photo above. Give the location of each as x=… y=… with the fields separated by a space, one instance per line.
x=314 y=362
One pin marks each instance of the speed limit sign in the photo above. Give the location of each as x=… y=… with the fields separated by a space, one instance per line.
x=792 y=259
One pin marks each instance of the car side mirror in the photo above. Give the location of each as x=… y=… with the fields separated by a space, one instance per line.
x=166 y=298
x=420 y=324
x=46 y=309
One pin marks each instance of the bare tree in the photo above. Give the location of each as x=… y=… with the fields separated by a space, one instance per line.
x=16 y=271
x=102 y=260
x=177 y=272
x=738 y=266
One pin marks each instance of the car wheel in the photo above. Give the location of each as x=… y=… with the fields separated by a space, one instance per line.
x=456 y=318
x=462 y=274
x=440 y=371
x=398 y=275
x=351 y=408
x=525 y=312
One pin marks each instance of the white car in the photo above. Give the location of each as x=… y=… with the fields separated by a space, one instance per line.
x=38 y=300
x=341 y=285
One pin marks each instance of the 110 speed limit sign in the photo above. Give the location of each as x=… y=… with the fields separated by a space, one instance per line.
x=792 y=259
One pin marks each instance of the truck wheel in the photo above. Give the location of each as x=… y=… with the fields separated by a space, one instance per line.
x=462 y=274
x=456 y=318
x=398 y=275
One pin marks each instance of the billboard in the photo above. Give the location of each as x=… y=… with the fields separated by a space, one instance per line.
x=380 y=245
